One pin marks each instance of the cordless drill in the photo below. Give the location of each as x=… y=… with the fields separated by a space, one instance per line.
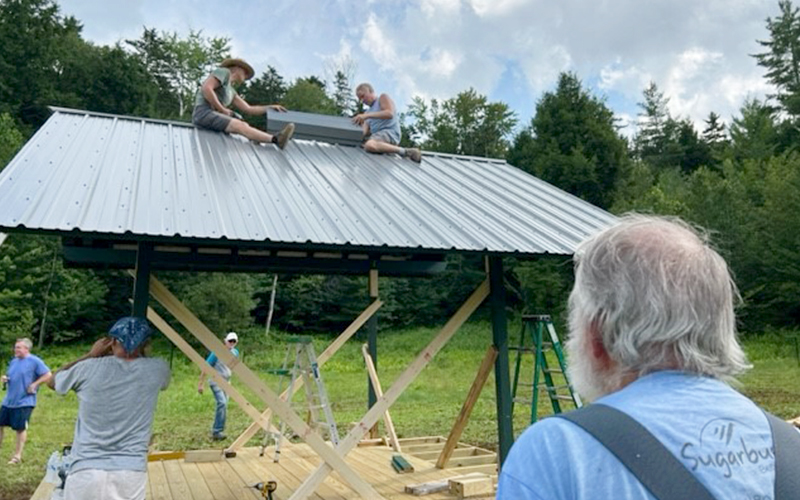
x=266 y=488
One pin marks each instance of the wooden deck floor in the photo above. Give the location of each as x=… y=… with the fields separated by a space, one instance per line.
x=230 y=479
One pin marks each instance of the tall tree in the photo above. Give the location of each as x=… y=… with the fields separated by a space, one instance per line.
x=657 y=139
x=181 y=63
x=467 y=124
x=35 y=39
x=754 y=135
x=308 y=94
x=269 y=88
x=343 y=94
x=573 y=143
x=10 y=139
x=782 y=56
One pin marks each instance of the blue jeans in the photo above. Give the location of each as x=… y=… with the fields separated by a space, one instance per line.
x=222 y=409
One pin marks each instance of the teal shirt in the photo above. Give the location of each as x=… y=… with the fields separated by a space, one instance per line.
x=225 y=92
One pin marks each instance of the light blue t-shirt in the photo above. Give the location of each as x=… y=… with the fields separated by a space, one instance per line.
x=116 y=402
x=21 y=373
x=221 y=367
x=718 y=434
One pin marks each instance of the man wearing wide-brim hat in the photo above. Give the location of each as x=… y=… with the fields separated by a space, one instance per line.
x=216 y=95
x=117 y=388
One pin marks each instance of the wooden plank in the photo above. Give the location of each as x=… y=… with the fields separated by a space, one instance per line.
x=165 y=455
x=266 y=470
x=376 y=385
x=422 y=440
x=217 y=484
x=421 y=489
x=334 y=346
x=281 y=408
x=471 y=487
x=399 y=386
x=203 y=456
x=236 y=484
x=466 y=410
x=158 y=481
x=304 y=465
x=490 y=469
x=44 y=491
x=178 y=484
x=459 y=452
x=197 y=483
x=473 y=460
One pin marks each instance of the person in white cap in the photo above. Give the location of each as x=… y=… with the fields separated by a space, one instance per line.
x=217 y=430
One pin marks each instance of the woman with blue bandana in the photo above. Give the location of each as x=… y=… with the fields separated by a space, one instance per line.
x=117 y=388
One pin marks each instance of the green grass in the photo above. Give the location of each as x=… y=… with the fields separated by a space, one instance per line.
x=428 y=407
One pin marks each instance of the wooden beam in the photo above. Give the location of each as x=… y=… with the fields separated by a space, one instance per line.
x=321 y=359
x=207 y=369
x=372 y=341
x=331 y=457
x=376 y=383
x=466 y=410
x=311 y=483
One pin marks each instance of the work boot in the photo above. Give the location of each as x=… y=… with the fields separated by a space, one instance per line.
x=285 y=134
x=414 y=154
x=218 y=436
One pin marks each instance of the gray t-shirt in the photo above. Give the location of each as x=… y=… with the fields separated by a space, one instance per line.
x=116 y=402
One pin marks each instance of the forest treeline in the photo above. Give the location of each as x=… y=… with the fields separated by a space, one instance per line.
x=738 y=177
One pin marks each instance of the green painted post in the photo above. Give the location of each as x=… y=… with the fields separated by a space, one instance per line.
x=505 y=431
x=141 y=282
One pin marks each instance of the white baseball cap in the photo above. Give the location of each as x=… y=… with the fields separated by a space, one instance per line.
x=232 y=336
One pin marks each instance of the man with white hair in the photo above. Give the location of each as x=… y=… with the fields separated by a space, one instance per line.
x=26 y=372
x=653 y=343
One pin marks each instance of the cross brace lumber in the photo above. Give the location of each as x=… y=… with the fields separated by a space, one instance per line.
x=332 y=458
x=311 y=483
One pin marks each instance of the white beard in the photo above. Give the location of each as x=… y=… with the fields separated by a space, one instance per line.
x=586 y=377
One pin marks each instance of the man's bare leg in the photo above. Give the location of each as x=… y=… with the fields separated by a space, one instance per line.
x=373 y=146
x=22 y=436
x=243 y=128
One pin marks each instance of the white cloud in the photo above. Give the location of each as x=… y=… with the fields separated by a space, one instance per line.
x=696 y=52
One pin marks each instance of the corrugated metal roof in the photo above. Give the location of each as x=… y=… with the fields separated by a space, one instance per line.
x=111 y=175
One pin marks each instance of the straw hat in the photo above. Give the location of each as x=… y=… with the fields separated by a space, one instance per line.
x=241 y=63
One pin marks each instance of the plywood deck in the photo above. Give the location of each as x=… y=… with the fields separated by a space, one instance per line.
x=230 y=479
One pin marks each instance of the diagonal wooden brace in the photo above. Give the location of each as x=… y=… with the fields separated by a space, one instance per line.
x=331 y=457
x=311 y=483
x=376 y=384
x=213 y=374
x=321 y=359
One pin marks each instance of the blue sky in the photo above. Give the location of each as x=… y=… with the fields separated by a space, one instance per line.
x=697 y=52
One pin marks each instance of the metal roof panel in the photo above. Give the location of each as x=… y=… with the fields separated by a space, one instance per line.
x=114 y=175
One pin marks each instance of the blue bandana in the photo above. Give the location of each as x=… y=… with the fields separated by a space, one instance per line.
x=131 y=332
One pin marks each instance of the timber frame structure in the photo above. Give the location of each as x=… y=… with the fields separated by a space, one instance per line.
x=315 y=208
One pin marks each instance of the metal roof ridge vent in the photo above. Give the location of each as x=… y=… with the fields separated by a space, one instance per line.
x=316 y=127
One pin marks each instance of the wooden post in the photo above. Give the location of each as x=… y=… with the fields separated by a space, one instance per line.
x=330 y=457
x=466 y=409
x=376 y=383
x=321 y=359
x=505 y=433
x=271 y=304
x=311 y=483
x=141 y=279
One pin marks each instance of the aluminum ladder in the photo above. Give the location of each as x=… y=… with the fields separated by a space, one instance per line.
x=305 y=366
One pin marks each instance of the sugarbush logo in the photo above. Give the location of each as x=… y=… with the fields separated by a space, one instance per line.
x=722 y=446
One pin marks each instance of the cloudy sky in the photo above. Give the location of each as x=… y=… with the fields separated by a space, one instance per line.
x=697 y=51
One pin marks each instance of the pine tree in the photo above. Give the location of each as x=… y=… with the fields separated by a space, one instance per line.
x=782 y=56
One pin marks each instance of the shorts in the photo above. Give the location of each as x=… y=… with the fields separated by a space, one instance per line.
x=97 y=484
x=16 y=418
x=205 y=117
x=383 y=136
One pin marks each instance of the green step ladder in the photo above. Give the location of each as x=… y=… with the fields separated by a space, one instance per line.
x=556 y=382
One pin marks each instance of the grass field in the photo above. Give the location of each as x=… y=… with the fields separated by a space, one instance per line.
x=429 y=406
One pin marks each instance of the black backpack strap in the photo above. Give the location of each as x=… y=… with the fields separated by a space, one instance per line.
x=653 y=465
x=786 y=443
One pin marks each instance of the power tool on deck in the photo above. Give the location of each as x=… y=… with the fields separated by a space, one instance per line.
x=266 y=488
